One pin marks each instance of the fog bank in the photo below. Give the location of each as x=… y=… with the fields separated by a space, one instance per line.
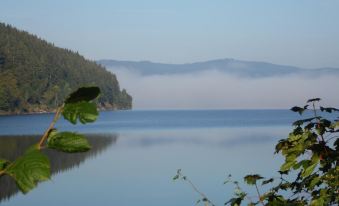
x=217 y=90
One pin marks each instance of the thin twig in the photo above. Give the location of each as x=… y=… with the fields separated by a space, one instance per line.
x=43 y=138
x=239 y=188
x=322 y=137
x=259 y=196
x=51 y=126
x=198 y=191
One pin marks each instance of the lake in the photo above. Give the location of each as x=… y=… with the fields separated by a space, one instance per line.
x=135 y=154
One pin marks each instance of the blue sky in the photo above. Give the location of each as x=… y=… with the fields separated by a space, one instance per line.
x=294 y=32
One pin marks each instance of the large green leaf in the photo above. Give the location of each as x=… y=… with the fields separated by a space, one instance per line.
x=29 y=169
x=68 y=142
x=83 y=94
x=84 y=111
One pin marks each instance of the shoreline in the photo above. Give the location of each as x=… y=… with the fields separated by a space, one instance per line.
x=52 y=112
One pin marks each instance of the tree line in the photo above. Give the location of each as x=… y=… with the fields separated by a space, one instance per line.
x=36 y=76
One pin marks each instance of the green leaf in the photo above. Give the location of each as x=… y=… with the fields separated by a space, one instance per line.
x=303 y=163
x=68 y=142
x=308 y=171
x=267 y=181
x=83 y=94
x=287 y=165
x=84 y=111
x=329 y=109
x=3 y=164
x=314 y=182
x=29 y=169
x=252 y=179
x=298 y=109
x=325 y=122
x=236 y=201
x=318 y=202
x=313 y=100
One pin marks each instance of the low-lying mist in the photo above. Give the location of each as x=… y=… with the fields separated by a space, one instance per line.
x=217 y=90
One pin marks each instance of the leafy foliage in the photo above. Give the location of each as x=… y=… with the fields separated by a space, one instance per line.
x=34 y=166
x=36 y=76
x=68 y=142
x=85 y=112
x=311 y=151
x=79 y=106
x=29 y=169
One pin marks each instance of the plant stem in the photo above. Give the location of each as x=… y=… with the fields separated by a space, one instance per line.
x=314 y=110
x=259 y=196
x=197 y=191
x=51 y=126
x=322 y=137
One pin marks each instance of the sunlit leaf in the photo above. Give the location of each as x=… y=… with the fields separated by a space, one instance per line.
x=68 y=142
x=314 y=182
x=309 y=170
x=303 y=163
x=29 y=169
x=85 y=112
x=287 y=165
x=318 y=202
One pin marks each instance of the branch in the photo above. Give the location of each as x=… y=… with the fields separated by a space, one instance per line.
x=51 y=126
x=259 y=196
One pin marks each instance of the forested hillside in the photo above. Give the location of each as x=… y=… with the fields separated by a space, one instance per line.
x=36 y=76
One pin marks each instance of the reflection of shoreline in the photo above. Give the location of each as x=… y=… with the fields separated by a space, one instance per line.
x=12 y=147
x=51 y=111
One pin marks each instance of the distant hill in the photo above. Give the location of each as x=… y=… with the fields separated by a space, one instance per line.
x=229 y=66
x=36 y=76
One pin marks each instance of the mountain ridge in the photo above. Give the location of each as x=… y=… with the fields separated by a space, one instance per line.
x=227 y=65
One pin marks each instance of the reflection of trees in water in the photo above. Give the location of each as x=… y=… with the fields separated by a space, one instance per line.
x=13 y=146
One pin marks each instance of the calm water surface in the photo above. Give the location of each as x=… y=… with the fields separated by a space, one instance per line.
x=135 y=154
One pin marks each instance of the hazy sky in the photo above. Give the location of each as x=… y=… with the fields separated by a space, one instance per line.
x=294 y=32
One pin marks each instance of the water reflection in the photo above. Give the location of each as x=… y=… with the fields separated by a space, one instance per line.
x=13 y=146
x=225 y=143
x=219 y=138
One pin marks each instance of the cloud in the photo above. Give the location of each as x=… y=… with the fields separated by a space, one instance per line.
x=216 y=90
